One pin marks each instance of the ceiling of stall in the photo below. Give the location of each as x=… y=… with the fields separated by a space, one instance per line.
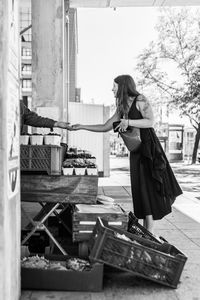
x=130 y=3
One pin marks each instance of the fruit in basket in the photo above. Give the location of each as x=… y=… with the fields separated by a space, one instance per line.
x=53 y=133
x=71 y=155
x=77 y=264
x=91 y=165
x=37 y=134
x=146 y=257
x=159 y=260
x=78 y=164
x=35 y=262
x=57 y=266
x=122 y=236
x=67 y=164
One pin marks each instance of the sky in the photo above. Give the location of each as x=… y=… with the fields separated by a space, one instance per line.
x=109 y=42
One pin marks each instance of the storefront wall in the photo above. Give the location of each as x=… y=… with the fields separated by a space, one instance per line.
x=9 y=152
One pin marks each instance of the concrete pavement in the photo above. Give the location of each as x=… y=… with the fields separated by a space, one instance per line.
x=178 y=228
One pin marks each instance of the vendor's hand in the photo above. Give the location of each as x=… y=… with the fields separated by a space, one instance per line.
x=63 y=125
x=123 y=125
x=76 y=127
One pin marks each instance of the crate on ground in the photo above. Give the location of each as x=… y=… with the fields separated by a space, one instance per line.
x=61 y=279
x=43 y=158
x=136 y=228
x=162 y=263
x=85 y=216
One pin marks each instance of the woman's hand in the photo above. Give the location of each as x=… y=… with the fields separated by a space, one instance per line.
x=76 y=127
x=123 y=125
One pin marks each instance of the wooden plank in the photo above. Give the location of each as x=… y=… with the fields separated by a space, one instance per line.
x=60 y=184
x=83 y=227
x=79 y=236
x=64 y=189
x=57 y=198
x=77 y=228
x=92 y=217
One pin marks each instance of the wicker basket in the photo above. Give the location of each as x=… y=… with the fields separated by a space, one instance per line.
x=162 y=263
x=41 y=158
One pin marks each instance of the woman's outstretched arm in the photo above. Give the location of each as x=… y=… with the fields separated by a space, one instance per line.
x=108 y=125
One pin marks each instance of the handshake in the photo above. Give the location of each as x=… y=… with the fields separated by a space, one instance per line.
x=65 y=125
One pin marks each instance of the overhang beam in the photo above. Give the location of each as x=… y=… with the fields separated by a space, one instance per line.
x=130 y=3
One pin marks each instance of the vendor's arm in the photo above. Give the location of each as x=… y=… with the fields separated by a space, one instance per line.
x=98 y=127
x=145 y=108
x=32 y=119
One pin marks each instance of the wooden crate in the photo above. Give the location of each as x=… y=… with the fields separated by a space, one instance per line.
x=64 y=189
x=85 y=216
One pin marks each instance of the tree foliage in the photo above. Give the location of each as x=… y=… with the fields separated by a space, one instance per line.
x=178 y=45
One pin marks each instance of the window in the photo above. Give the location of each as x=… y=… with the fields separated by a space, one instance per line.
x=25 y=21
x=26 y=52
x=26 y=69
x=26 y=84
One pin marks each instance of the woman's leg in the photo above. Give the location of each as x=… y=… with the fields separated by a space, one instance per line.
x=148 y=223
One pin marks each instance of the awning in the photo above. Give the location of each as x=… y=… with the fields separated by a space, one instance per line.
x=131 y=3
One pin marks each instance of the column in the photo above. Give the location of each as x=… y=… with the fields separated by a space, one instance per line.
x=9 y=152
x=48 y=59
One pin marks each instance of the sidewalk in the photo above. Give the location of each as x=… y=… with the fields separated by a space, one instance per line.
x=177 y=228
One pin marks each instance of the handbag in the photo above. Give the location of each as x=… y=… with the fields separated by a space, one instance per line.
x=131 y=136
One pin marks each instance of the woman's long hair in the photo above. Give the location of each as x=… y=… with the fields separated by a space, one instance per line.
x=126 y=89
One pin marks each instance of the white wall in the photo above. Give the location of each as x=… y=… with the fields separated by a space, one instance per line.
x=97 y=143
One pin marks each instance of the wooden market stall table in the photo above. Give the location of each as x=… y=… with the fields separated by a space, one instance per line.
x=53 y=192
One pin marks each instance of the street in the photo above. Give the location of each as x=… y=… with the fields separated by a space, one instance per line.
x=187 y=175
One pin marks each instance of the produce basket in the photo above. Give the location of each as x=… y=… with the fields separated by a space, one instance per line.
x=136 y=228
x=24 y=139
x=162 y=263
x=92 y=171
x=61 y=279
x=36 y=139
x=85 y=216
x=41 y=158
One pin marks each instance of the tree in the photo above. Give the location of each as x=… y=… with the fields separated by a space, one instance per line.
x=178 y=45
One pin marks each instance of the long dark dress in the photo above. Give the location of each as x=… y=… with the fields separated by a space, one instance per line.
x=154 y=186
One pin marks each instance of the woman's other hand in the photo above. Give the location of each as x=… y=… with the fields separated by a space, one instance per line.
x=123 y=125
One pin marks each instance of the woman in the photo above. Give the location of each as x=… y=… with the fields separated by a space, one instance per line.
x=154 y=186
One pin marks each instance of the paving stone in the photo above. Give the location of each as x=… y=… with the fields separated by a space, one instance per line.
x=192 y=233
x=196 y=241
x=188 y=225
